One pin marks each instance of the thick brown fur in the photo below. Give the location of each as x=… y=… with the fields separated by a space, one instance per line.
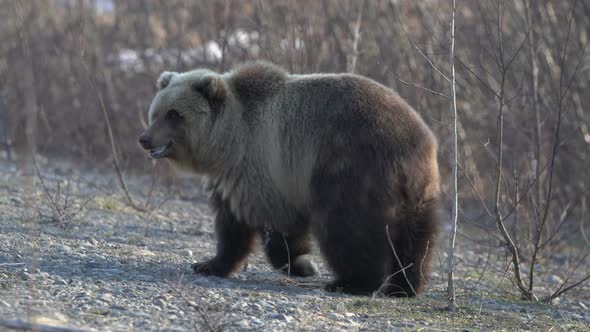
x=337 y=156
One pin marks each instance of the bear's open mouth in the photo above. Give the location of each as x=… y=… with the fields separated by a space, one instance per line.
x=161 y=152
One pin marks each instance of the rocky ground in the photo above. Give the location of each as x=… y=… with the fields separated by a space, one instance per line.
x=107 y=267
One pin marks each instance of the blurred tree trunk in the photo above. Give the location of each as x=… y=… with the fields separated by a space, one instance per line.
x=4 y=135
x=356 y=39
x=530 y=20
x=24 y=11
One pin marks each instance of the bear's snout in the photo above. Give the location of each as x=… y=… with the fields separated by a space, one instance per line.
x=145 y=142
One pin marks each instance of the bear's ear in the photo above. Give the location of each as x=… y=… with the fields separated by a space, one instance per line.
x=164 y=79
x=212 y=87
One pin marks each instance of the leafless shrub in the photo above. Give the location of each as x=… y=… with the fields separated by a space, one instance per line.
x=63 y=206
x=542 y=179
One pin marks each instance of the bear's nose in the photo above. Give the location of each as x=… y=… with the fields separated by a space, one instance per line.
x=145 y=142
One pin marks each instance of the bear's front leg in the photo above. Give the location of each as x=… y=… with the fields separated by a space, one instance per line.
x=234 y=242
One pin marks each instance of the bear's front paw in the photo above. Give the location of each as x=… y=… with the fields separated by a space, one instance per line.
x=210 y=268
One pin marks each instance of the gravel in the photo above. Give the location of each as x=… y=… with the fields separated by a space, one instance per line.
x=111 y=268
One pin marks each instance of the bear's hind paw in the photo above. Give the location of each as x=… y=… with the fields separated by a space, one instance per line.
x=301 y=267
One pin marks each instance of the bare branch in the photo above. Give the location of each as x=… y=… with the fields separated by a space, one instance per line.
x=421 y=87
x=399 y=262
x=563 y=289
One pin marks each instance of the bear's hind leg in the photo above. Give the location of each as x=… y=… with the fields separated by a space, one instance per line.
x=357 y=255
x=286 y=252
x=351 y=233
x=412 y=235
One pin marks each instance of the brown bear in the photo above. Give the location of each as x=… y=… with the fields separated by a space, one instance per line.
x=337 y=156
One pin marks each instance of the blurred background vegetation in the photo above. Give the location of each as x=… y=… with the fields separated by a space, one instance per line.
x=62 y=62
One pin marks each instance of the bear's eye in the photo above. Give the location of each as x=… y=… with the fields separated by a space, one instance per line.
x=173 y=116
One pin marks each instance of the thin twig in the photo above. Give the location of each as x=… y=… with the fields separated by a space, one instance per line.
x=485 y=267
x=564 y=217
x=112 y=142
x=154 y=178
x=561 y=288
x=399 y=262
x=422 y=262
x=386 y=282
x=421 y=87
x=403 y=270
x=11 y=264
x=288 y=255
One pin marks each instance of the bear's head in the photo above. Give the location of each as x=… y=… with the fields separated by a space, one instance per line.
x=188 y=120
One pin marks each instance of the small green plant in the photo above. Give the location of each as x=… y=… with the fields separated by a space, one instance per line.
x=364 y=305
x=108 y=203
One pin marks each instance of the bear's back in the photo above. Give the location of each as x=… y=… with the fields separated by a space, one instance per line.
x=325 y=107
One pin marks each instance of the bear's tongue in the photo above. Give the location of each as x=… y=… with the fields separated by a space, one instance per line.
x=160 y=152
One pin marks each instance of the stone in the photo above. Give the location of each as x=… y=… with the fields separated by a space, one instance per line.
x=281 y=317
x=160 y=303
x=335 y=316
x=555 y=280
x=100 y=311
x=59 y=281
x=108 y=298
x=244 y=324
